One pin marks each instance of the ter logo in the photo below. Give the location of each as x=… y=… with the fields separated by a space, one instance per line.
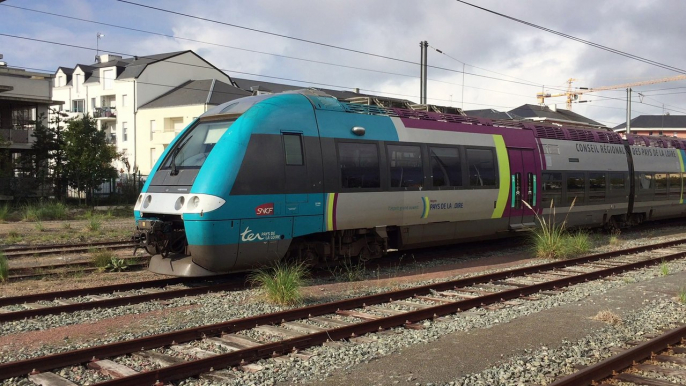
x=265 y=209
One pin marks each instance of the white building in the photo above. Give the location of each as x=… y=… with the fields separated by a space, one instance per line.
x=113 y=90
x=160 y=120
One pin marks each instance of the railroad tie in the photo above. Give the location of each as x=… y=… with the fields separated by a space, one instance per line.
x=278 y=331
x=640 y=380
x=219 y=376
x=161 y=359
x=385 y=311
x=411 y=304
x=34 y=306
x=302 y=327
x=50 y=379
x=111 y=368
x=329 y=321
x=671 y=359
x=359 y=315
x=666 y=371
x=237 y=342
x=192 y=351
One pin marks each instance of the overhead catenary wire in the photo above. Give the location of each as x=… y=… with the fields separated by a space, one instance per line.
x=567 y=36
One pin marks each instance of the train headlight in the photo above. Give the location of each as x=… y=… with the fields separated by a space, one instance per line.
x=140 y=199
x=193 y=202
x=179 y=203
x=147 y=200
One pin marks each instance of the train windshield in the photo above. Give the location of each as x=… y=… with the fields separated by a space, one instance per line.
x=192 y=150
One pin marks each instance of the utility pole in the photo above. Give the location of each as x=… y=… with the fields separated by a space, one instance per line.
x=628 y=111
x=422 y=77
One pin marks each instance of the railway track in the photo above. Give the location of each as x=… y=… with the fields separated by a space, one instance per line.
x=298 y=329
x=61 y=269
x=114 y=295
x=628 y=365
x=40 y=250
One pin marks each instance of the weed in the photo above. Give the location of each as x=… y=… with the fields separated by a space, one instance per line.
x=349 y=271
x=281 y=282
x=102 y=258
x=39 y=226
x=576 y=244
x=549 y=239
x=4 y=211
x=608 y=317
x=13 y=237
x=66 y=225
x=664 y=268
x=681 y=295
x=117 y=265
x=30 y=213
x=4 y=268
x=94 y=223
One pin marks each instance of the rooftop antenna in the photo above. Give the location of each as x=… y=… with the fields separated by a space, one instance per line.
x=97 y=45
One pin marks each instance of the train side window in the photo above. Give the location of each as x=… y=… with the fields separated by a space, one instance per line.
x=661 y=184
x=576 y=188
x=293 y=148
x=359 y=164
x=674 y=186
x=481 y=167
x=445 y=167
x=645 y=181
x=405 y=164
x=597 y=187
x=618 y=182
x=551 y=183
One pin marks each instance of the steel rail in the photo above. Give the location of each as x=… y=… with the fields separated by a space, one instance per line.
x=120 y=301
x=7 y=301
x=19 y=368
x=626 y=359
x=59 y=248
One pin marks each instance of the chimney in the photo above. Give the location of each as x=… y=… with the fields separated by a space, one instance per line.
x=108 y=57
x=357 y=90
x=553 y=107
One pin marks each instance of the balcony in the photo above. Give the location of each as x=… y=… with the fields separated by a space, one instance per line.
x=105 y=113
x=14 y=136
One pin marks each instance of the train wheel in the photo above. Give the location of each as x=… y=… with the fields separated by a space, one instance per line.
x=152 y=250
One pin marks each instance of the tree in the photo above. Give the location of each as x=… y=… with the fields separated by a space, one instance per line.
x=88 y=156
x=43 y=152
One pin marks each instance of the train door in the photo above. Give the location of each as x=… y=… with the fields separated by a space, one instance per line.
x=295 y=172
x=523 y=187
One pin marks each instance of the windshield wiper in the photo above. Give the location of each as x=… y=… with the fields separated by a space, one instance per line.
x=174 y=169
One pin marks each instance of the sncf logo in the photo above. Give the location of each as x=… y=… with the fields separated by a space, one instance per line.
x=265 y=209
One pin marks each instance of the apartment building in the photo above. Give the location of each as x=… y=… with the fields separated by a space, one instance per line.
x=24 y=96
x=113 y=89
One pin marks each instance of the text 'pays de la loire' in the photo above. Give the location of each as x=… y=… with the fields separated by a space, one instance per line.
x=599 y=148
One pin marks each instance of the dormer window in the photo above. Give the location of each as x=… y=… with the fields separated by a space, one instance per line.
x=108 y=81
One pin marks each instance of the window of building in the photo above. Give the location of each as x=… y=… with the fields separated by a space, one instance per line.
x=597 y=187
x=576 y=188
x=124 y=100
x=405 y=164
x=92 y=104
x=618 y=182
x=551 y=184
x=153 y=128
x=77 y=82
x=108 y=79
x=293 y=148
x=124 y=134
x=446 y=167
x=173 y=124
x=481 y=167
x=77 y=106
x=359 y=164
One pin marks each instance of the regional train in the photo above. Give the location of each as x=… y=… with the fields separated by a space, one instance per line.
x=304 y=175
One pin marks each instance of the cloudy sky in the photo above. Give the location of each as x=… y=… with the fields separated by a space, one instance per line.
x=506 y=63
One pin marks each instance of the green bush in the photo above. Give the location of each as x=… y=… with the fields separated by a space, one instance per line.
x=576 y=244
x=4 y=268
x=45 y=210
x=551 y=240
x=94 y=223
x=281 y=282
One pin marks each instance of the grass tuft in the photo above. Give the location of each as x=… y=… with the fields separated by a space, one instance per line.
x=4 y=268
x=94 y=223
x=608 y=317
x=349 y=270
x=4 y=211
x=681 y=295
x=39 y=226
x=281 y=282
x=551 y=240
x=102 y=258
x=664 y=268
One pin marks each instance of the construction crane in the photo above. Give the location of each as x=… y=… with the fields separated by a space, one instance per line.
x=573 y=95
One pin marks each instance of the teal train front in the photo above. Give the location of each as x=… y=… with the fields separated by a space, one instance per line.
x=304 y=176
